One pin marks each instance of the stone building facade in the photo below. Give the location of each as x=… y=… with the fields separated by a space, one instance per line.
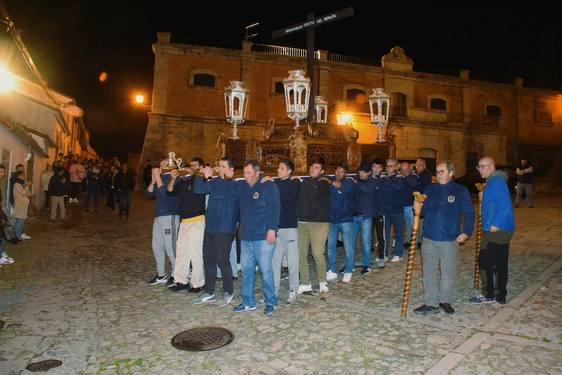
x=432 y=116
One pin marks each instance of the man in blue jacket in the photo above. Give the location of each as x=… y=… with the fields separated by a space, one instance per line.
x=342 y=203
x=165 y=226
x=365 y=189
x=498 y=225
x=221 y=219
x=447 y=205
x=259 y=220
x=392 y=185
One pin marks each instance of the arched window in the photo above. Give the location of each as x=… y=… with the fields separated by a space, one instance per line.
x=355 y=94
x=204 y=79
x=493 y=110
x=398 y=104
x=438 y=103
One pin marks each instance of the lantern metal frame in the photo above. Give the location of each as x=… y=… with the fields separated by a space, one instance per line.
x=297 y=95
x=379 y=115
x=236 y=105
x=321 y=107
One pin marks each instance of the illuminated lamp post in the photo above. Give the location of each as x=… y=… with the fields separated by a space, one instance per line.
x=235 y=105
x=297 y=95
x=379 y=105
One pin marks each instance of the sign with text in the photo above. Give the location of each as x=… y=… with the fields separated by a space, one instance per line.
x=334 y=16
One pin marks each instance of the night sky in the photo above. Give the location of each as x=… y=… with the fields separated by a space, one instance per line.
x=72 y=42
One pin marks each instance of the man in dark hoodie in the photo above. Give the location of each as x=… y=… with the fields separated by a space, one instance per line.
x=448 y=205
x=59 y=187
x=313 y=214
x=221 y=221
x=259 y=221
x=165 y=225
x=392 y=185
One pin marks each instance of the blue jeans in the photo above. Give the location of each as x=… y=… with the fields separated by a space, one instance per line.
x=366 y=226
x=409 y=218
x=18 y=227
x=397 y=220
x=259 y=252
x=348 y=232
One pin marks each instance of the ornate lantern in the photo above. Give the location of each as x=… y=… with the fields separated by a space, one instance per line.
x=379 y=105
x=235 y=105
x=297 y=95
x=321 y=106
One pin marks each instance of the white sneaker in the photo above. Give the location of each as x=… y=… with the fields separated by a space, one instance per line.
x=292 y=297
x=25 y=236
x=324 y=287
x=396 y=259
x=346 y=277
x=331 y=276
x=304 y=288
x=6 y=260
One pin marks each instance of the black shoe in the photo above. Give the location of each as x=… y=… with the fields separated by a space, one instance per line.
x=158 y=280
x=426 y=310
x=406 y=245
x=419 y=245
x=171 y=282
x=501 y=301
x=234 y=278
x=342 y=270
x=365 y=270
x=194 y=290
x=178 y=287
x=447 y=308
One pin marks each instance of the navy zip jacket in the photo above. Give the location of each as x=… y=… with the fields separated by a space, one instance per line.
x=164 y=204
x=410 y=185
x=392 y=193
x=191 y=204
x=259 y=210
x=342 y=202
x=443 y=209
x=365 y=197
x=223 y=205
x=288 y=193
x=378 y=200
x=424 y=180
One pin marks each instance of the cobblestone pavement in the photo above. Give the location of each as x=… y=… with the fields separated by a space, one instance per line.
x=78 y=292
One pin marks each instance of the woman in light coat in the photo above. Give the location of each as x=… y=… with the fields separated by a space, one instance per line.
x=21 y=194
x=45 y=178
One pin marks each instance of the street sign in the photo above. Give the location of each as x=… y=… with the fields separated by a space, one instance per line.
x=334 y=16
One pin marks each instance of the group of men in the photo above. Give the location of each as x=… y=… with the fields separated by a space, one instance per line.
x=284 y=217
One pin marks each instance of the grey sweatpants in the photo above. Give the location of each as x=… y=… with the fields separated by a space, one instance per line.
x=164 y=237
x=286 y=244
x=439 y=256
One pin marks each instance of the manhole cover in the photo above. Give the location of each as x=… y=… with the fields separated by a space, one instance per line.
x=203 y=338
x=44 y=365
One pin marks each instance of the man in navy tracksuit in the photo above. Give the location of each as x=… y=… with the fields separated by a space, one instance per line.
x=447 y=205
x=259 y=219
x=221 y=219
x=392 y=185
x=342 y=204
x=498 y=225
x=377 y=167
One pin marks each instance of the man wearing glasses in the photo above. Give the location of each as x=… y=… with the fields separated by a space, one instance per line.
x=498 y=224
x=449 y=221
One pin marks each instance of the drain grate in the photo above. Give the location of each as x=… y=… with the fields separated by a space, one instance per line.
x=203 y=338
x=44 y=365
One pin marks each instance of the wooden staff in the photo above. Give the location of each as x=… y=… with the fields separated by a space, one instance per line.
x=413 y=243
x=476 y=273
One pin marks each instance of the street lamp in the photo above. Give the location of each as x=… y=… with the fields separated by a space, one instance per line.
x=7 y=80
x=235 y=105
x=297 y=95
x=139 y=98
x=321 y=106
x=379 y=104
